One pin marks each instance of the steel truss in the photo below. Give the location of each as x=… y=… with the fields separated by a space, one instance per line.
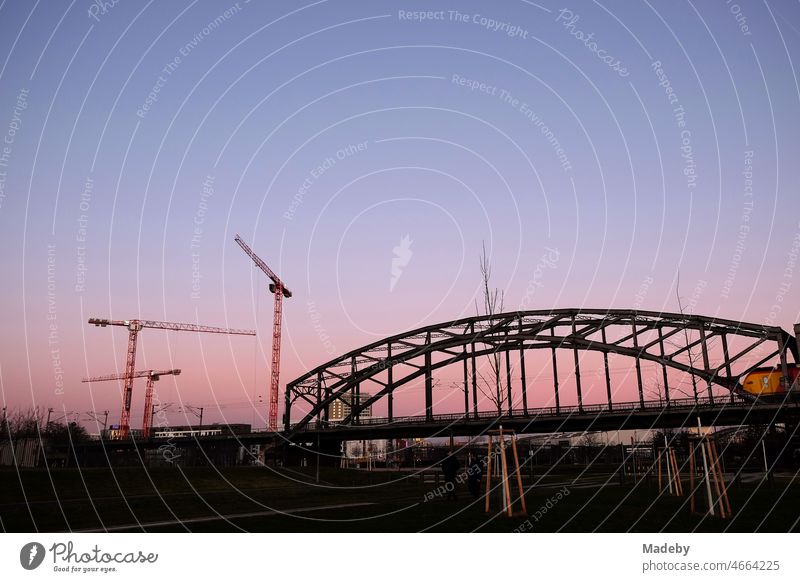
x=392 y=362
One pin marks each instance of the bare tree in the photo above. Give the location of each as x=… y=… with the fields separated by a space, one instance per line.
x=25 y=422
x=686 y=336
x=30 y=423
x=4 y=426
x=493 y=301
x=655 y=389
x=672 y=437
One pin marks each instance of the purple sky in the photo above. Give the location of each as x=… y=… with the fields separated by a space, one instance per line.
x=366 y=154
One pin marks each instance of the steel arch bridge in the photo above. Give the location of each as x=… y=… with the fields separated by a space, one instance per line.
x=711 y=350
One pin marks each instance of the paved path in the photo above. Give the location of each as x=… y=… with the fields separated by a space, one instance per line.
x=149 y=524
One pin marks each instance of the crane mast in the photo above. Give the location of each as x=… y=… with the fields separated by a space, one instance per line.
x=152 y=376
x=134 y=327
x=280 y=291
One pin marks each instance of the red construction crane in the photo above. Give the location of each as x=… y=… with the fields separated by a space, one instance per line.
x=134 y=327
x=152 y=376
x=280 y=291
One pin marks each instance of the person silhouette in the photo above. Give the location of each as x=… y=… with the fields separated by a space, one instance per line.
x=450 y=466
x=474 y=474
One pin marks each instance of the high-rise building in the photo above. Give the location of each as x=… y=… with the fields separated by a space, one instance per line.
x=341 y=407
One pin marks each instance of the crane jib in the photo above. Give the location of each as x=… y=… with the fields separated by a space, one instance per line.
x=280 y=291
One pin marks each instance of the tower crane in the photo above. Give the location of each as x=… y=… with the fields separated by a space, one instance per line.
x=280 y=291
x=152 y=376
x=134 y=327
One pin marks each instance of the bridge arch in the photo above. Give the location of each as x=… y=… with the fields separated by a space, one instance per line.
x=639 y=335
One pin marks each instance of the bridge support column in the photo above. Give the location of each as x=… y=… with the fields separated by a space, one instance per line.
x=793 y=344
x=390 y=381
x=330 y=452
x=523 y=381
x=428 y=388
x=727 y=359
x=319 y=401
x=638 y=364
x=466 y=384
x=787 y=382
x=663 y=365
x=555 y=373
x=706 y=365
x=287 y=409
x=508 y=384
x=355 y=394
x=474 y=382
x=608 y=372
x=577 y=372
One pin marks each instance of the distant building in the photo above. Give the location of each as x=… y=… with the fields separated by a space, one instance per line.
x=376 y=449
x=365 y=454
x=340 y=408
x=113 y=432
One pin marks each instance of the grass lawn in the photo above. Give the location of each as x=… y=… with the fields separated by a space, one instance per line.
x=289 y=500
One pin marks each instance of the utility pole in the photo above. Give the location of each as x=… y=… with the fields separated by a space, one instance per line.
x=94 y=416
x=154 y=409
x=197 y=411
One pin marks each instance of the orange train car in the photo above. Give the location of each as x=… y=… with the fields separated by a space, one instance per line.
x=767 y=384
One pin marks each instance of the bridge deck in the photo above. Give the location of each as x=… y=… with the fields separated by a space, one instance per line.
x=622 y=416
x=625 y=415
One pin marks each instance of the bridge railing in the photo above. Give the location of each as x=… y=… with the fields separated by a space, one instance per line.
x=549 y=411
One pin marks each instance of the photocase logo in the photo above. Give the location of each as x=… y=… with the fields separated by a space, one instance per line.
x=402 y=256
x=31 y=555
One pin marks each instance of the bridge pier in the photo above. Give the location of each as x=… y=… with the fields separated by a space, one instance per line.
x=328 y=450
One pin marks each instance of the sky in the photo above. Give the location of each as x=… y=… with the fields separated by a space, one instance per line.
x=367 y=151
